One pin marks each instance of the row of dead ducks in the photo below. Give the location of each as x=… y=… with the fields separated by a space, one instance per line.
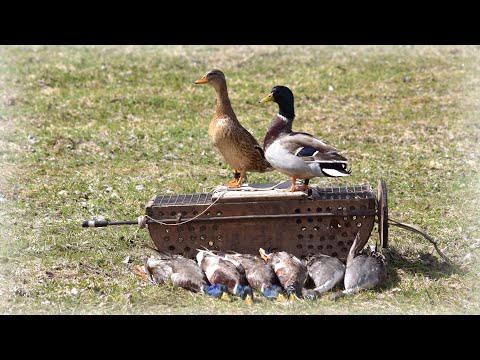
x=274 y=274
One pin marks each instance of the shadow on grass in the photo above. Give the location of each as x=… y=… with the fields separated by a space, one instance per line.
x=425 y=264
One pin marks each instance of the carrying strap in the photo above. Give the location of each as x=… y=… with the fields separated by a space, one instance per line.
x=422 y=232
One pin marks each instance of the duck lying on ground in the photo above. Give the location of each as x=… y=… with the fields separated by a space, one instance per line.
x=363 y=271
x=225 y=272
x=325 y=271
x=180 y=271
x=260 y=275
x=290 y=271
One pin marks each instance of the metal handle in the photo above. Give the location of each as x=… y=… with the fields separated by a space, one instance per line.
x=95 y=223
x=141 y=222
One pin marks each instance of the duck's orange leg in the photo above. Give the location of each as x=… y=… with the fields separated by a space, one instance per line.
x=239 y=180
x=295 y=187
x=234 y=182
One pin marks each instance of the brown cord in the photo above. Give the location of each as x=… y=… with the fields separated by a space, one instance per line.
x=422 y=232
x=193 y=218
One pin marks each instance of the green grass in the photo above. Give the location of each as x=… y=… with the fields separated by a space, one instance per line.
x=81 y=128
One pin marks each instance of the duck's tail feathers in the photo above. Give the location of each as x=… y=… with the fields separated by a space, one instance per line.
x=335 y=169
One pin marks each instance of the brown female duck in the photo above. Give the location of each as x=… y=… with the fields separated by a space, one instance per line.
x=237 y=146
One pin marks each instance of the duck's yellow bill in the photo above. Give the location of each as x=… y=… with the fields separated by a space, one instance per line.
x=267 y=98
x=281 y=298
x=225 y=297
x=202 y=81
x=293 y=297
x=249 y=300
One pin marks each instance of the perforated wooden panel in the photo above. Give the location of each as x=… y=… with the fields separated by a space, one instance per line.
x=324 y=222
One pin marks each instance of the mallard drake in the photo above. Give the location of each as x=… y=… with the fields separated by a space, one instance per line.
x=260 y=276
x=325 y=271
x=225 y=272
x=237 y=146
x=363 y=271
x=298 y=154
x=291 y=272
x=181 y=272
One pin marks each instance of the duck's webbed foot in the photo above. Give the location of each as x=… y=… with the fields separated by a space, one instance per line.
x=234 y=181
x=292 y=293
x=294 y=187
x=237 y=180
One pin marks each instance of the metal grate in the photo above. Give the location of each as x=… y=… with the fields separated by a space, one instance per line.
x=345 y=192
x=183 y=199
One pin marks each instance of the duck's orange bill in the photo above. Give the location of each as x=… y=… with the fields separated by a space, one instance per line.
x=201 y=81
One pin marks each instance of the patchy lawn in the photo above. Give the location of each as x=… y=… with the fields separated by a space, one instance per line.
x=96 y=131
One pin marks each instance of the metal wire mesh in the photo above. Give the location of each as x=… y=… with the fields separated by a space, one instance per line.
x=183 y=199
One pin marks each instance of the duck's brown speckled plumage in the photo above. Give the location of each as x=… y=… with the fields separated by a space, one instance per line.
x=221 y=271
x=290 y=271
x=180 y=271
x=237 y=146
x=259 y=274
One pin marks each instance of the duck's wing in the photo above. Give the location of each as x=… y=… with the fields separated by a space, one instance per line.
x=234 y=259
x=261 y=274
x=250 y=149
x=257 y=272
x=238 y=266
x=246 y=260
x=311 y=149
x=188 y=275
x=326 y=272
x=221 y=271
x=289 y=270
x=302 y=271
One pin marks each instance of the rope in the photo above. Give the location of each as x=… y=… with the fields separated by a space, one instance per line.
x=422 y=232
x=142 y=220
x=191 y=219
x=249 y=188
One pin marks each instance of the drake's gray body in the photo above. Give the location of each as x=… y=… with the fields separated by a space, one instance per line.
x=298 y=154
x=364 y=271
x=283 y=154
x=326 y=272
